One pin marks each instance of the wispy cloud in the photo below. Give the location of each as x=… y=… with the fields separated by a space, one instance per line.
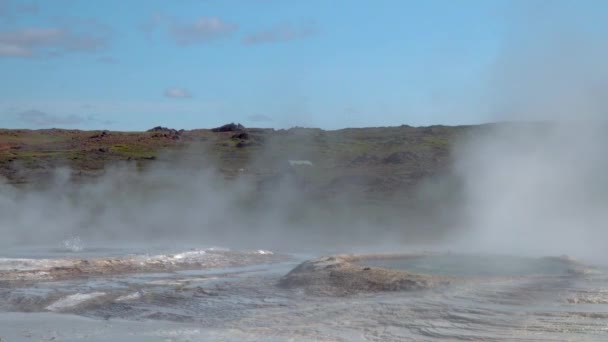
x=202 y=30
x=279 y=34
x=36 y=117
x=49 y=41
x=184 y=33
x=177 y=93
x=29 y=8
x=10 y=9
x=154 y=22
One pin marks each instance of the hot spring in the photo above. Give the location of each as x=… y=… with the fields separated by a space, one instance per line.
x=462 y=265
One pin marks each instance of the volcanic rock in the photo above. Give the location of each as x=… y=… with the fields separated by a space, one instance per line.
x=231 y=127
x=339 y=275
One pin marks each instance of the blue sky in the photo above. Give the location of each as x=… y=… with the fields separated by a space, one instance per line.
x=131 y=65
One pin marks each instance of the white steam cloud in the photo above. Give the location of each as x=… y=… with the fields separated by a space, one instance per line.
x=539 y=185
x=536 y=188
x=178 y=202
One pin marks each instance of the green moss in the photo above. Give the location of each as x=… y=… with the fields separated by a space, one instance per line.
x=133 y=151
x=436 y=141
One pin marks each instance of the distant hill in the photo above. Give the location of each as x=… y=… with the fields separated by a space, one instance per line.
x=375 y=160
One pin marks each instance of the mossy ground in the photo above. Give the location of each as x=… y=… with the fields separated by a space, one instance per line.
x=355 y=158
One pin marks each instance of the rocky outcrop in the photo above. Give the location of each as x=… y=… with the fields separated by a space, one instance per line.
x=340 y=275
x=101 y=135
x=231 y=127
x=242 y=136
x=31 y=270
x=164 y=132
x=158 y=129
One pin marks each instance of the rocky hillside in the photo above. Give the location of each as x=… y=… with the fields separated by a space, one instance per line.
x=370 y=160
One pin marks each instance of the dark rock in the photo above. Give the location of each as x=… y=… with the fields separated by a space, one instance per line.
x=164 y=132
x=159 y=129
x=103 y=149
x=231 y=127
x=100 y=135
x=242 y=135
x=340 y=275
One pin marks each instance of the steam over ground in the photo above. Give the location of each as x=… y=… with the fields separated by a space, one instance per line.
x=536 y=186
x=187 y=202
x=239 y=233
x=532 y=188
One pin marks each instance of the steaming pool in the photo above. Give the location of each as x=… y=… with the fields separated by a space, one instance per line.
x=216 y=294
x=473 y=265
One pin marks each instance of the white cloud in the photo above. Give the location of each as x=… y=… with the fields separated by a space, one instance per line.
x=177 y=93
x=279 y=34
x=11 y=9
x=154 y=22
x=203 y=30
x=48 y=41
x=184 y=33
x=11 y=50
